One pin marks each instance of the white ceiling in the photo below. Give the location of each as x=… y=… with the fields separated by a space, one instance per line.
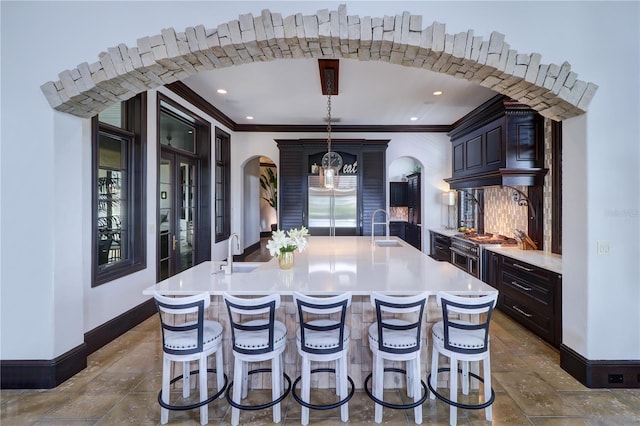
x=288 y=91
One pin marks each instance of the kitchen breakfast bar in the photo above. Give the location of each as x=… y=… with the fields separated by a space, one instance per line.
x=329 y=266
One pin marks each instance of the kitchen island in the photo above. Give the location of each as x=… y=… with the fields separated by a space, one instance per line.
x=330 y=265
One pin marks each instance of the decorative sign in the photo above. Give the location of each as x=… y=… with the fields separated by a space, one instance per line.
x=349 y=163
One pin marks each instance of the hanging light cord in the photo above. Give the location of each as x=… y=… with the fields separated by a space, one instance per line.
x=329 y=90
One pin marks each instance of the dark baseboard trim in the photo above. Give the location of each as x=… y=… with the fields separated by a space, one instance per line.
x=598 y=374
x=43 y=374
x=110 y=330
x=47 y=374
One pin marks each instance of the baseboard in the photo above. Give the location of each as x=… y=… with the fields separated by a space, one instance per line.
x=116 y=327
x=43 y=374
x=598 y=374
x=47 y=374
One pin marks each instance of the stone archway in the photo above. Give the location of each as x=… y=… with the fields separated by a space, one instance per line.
x=122 y=72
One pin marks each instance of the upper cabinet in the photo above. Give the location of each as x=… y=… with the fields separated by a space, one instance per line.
x=499 y=143
x=397 y=194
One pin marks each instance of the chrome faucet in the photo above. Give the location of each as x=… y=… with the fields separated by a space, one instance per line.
x=373 y=224
x=228 y=269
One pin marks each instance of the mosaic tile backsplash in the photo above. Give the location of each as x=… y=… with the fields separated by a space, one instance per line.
x=501 y=214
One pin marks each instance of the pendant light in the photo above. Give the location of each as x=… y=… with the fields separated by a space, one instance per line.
x=331 y=161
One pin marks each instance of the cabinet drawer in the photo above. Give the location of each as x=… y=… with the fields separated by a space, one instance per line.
x=540 y=296
x=526 y=314
x=527 y=272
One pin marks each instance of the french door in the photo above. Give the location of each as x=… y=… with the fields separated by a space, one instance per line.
x=178 y=230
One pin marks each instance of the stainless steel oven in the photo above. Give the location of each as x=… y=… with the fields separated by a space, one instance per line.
x=465 y=255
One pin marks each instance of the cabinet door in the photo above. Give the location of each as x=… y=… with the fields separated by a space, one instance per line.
x=373 y=187
x=492 y=269
x=398 y=194
x=413 y=198
x=292 y=190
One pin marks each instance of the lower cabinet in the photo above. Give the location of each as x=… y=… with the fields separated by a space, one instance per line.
x=440 y=246
x=408 y=232
x=528 y=294
x=397 y=229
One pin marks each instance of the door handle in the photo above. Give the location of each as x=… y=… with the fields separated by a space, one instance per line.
x=173 y=242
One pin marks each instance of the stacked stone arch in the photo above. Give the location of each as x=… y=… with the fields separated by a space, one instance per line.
x=122 y=72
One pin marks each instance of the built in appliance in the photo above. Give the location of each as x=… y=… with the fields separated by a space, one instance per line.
x=466 y=250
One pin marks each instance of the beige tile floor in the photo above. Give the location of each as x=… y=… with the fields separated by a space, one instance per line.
x=122 y=379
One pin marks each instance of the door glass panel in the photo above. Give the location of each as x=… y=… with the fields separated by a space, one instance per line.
x=187 y=173
x=166 y=219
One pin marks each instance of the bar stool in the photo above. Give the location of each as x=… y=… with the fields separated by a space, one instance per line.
x=322 y=339
x=193 y=340
x=256 y=340
x=464 y=341
x=395 y=338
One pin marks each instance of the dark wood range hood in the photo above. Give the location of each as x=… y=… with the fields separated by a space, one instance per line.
x=499 y=143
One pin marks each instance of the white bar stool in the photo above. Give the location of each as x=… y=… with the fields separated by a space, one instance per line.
x=464 y=341
x=322 y=339
x=256 y=340
x=395 y=338
x=193 y=340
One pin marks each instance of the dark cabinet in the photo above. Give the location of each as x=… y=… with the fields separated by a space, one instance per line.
x=398 y=194
x=414 y=230
x=398 y=229
x=440 y=246
x=499 y=143
x=296 y=164
x=529 y=294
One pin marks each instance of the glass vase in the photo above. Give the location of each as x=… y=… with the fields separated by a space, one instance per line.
x=285 y=260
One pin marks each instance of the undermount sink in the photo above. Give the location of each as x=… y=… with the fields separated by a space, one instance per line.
x=387 y=243
x=240 y=268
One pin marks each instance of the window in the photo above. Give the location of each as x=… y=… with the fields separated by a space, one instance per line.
x=223 y=185
x=118 y=145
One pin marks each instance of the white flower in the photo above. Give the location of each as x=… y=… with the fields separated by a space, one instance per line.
x=282 y=243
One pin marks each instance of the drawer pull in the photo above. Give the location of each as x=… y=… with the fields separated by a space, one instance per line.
x=522 y=267
x=522 y=312
x=520 y=286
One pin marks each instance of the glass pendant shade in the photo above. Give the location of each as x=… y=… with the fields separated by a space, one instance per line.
x=331 y=164
x=329 y=177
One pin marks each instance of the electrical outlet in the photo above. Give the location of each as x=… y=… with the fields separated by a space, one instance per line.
x=603 y=248
x=616 y=378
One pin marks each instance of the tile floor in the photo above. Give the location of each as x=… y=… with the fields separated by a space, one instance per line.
x=121 y=383
x=122 y=379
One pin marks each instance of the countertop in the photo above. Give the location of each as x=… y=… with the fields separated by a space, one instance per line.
x=332 y=265
x=446 y=232
x=549 y=261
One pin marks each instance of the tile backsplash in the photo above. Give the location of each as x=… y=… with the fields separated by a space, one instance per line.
x=399 y=214
x=501 y=213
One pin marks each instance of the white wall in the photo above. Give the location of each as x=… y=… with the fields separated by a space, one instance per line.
x=46 y=299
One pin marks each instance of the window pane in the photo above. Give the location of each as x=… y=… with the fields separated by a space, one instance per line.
x=177 y=133
x=112 y=199
x=113 y=116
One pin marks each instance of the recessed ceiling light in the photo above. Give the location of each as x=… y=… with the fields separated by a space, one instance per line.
x=249 y=117
x=222 y=91
x=437 y=92
x=413 y=118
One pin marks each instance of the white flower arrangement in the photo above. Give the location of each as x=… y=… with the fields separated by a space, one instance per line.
x=282 y=242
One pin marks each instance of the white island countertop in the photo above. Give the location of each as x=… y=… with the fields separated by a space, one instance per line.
x=332 y=265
